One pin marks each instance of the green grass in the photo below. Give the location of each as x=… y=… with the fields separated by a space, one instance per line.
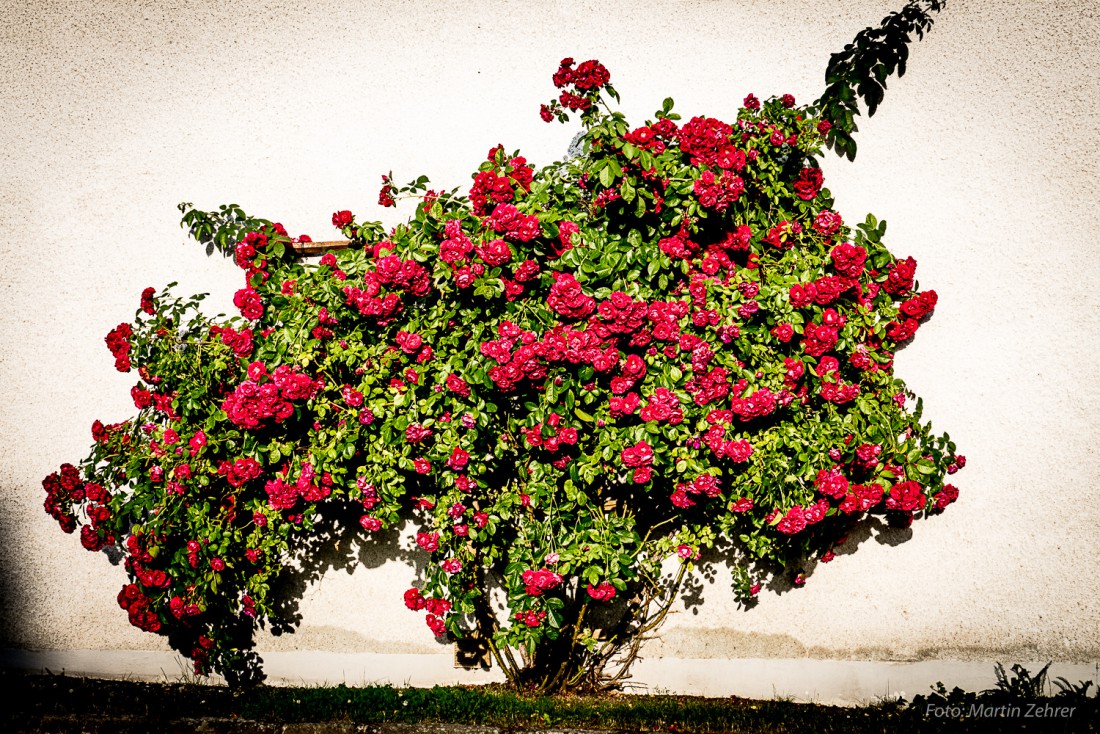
x=36 y=697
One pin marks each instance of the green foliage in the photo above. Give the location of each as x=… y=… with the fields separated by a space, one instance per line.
x=860 y=71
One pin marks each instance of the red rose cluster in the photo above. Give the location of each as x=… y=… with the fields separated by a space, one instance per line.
x=283 y=495
x=239 y=341
x=500 y=180
x=436 y=608
x=552 y=437
x=530 y=618
x=586 y=81
x=392 y=271
x=62 y=490
x=540 y=581
x=147 y=304
x=264 y=398
x=139 y=607
x=118 y=341
x=603 y=592
x=248 y=248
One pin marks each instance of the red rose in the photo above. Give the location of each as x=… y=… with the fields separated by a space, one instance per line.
x=905 y=496
x=505 y=217
x=899 y=280
x=416 y=433
x=793 y=522
x=849 y=259
x=351 y=396
x=590 y=74
x=437 y=606
x=409 y=343
x=341 y=219
x=248 y=301
x=538 y=582
x=414 y=600
x=142 y=398
x=783 y=332
x=828 y=288
x=428 y=541
x=625 y=405
x=743 y=504
x=464 y=277
x=817 y=339
x=638 y=455
x=566 y=230
x=604 y=592
x=831 y=483
x=802 y=295
x=458 y=459
x=945 y=496
x=385 y=194
x=568 y=299
x=920 y=305
x=808 y=183
x=147 y=301
x=495 y=253
x=457 y=385
x=902 y=331
x=241 y=471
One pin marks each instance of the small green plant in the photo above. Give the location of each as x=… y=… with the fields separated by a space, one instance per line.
x=1022 y=684
x=1077 y=691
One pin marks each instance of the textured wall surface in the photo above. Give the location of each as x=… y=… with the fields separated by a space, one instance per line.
x=982 y=159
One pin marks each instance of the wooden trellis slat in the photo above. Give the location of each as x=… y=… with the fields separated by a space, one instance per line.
x=318 y=248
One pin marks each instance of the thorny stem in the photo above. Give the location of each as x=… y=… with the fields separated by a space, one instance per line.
x=569 y=655
x=640 y=635
x=487 y=626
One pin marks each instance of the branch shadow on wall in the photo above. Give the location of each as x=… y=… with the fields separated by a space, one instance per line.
x=336 y=543
x=727 y=555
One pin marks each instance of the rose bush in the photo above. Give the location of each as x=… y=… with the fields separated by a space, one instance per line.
x=570 y=381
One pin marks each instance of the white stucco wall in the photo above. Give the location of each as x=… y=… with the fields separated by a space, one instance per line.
x=982 y=159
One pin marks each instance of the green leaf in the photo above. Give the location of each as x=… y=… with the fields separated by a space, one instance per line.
x=606 y=177
x=627 y=191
